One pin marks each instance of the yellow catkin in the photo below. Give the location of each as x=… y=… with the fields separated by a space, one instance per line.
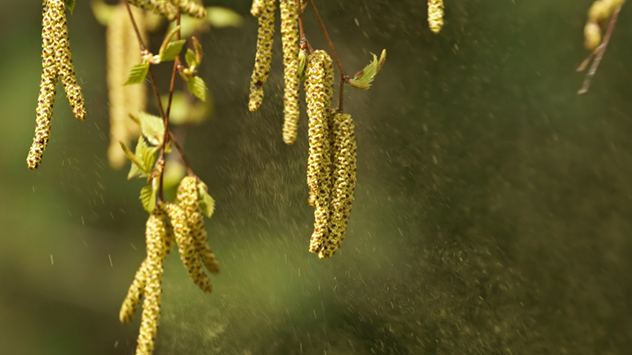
x=186 y=247
x=134 y=294
x=63 y=58
x=598 y=13
x=318 y=95
x=187 y=197
x=162 y=7
x=263 y=57
x=191 y=7
x=592 y=35
x=602 y=9
x=290 y=37
x=46 y=98
x=257 y=7
x=157 y=240
x=344 y=166
x=122 y=53
x=435 y=15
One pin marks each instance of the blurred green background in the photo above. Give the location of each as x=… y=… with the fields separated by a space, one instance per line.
x=492 y=211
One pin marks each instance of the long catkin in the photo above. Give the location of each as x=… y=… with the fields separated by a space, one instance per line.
x=318 y=94
x=46 y=98
x=290 y=39
x=263 y=56
x=344 y=158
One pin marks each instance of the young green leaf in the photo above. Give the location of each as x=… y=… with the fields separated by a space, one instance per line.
x=171 y=50
x=302 y=63
x=206 y=202
x=197 y=87
x=191 y=59
x=148 y=197
x=152 y=127
x=145 y=156
x=364 y=78
x=70 y=5
x=137 y=74
x=198 y=50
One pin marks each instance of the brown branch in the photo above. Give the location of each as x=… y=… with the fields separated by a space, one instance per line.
x=167 y=135
x=598 y=54
x=331 y=45
x=344 y=78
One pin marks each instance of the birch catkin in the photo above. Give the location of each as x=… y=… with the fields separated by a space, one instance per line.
x=257 y=7
x=344 y=157
x=290 y=37
x=318 y=94
x=46 y=98
x=63 y=58
x=187 y=197
x=435 y=15
x=134 y=294
x=122 y=53
x=186 y=247
x=263 y=57
x=157 y=248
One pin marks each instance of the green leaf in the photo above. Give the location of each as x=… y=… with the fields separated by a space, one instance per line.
x=191 y=59
x=70 y=5
x=145 y=156
x=223 y=17
x=302 y=63
x=171 y=50
x=148 y=197
x=197 y=87
x=137 y=74
x=152 y=127
x=206 y=202
x=364 y=78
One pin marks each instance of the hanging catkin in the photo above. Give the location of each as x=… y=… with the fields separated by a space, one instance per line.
x=187 y=197
x=290 y=37
x=158 y=244
x=257 y=7
x=186 y=246
x=344 y=157
x=122 y=53
x=46 y=98
x=435 y=15
x=63 y=58
x=318 y=95
x=263 y=57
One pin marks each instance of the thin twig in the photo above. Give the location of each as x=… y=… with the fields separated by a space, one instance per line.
x=143 y=50
x=598 y=54
x=344 y=78
x=331 y=45
x=166 y=134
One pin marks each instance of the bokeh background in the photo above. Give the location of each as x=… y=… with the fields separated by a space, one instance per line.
x=492 y=211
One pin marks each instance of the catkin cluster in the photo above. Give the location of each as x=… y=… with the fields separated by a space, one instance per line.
x=56 y=64
x=331 y=165
x=169 y=8
x=435 y=15
x=182 y=222
x=147 y=282
x=599 y=12
x=122 y=53
x=264 y=11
